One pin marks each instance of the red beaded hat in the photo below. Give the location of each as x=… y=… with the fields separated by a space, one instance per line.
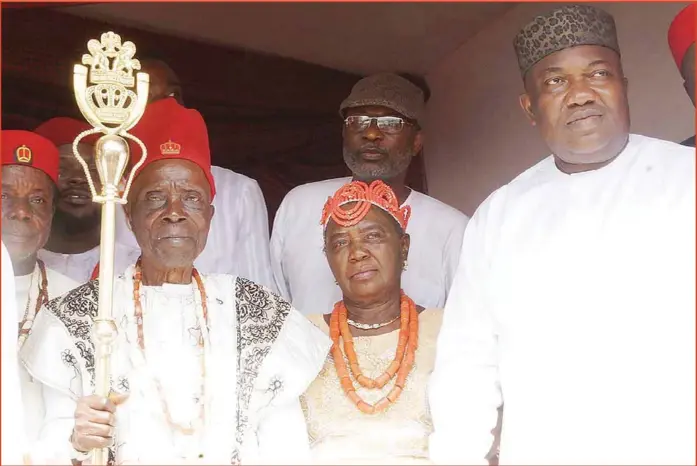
x=363 y=196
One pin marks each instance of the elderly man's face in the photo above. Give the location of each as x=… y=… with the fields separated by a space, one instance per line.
x=687 y=71
x=169 y=210
x=27 y=210
x=372 y=153
x=577 y=98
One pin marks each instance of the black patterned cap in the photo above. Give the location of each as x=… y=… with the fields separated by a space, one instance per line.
x=387 y=90
x=565 y=27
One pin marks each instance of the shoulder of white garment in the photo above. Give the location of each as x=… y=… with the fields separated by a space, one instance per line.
x=445 y=213
x=59 y=283
x=231 y=185
x=50 y=353
x=298 y=348
x=318 y=191
x=305 y=201
x=489 y=212
x=228 y=179
x=298 y=351
x=667 y=155
x=302 y=346
x=238 y=199
x=666 y=152
x=642 y=140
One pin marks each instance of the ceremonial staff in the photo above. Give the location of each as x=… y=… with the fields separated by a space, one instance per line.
x=103 y=87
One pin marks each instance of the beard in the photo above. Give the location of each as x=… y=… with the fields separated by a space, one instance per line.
x=392 y=165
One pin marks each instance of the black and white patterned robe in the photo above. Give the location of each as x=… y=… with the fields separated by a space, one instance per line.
x=274 y=351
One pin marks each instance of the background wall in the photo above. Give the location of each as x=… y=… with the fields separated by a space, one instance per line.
x=478 y=137
x=271 y=118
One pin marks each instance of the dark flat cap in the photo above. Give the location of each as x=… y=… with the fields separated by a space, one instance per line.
x=387 y=90
x=562 y=28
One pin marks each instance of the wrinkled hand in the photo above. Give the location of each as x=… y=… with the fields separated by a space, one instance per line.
x=95 y=422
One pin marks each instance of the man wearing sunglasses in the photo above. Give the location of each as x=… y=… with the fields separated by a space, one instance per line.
x=381 y=135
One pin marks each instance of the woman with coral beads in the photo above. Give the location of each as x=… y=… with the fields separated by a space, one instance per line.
x=368 y=404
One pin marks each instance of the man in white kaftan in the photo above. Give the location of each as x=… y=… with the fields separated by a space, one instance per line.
x=14 y=444
x=372 y=152
x=574 y=303
x=29 y=175
x=213 y=364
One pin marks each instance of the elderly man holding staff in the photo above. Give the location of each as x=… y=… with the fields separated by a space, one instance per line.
x=207 y=369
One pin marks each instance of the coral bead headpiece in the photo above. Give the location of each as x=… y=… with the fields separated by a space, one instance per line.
x=364 y=196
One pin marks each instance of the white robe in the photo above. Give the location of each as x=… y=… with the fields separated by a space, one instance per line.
x=14 y=441
x=260 y=356
x=300 y=266
x=238 y=241
x=26 y=293
x=574 y=306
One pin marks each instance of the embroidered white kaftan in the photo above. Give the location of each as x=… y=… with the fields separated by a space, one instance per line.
x=260 y=355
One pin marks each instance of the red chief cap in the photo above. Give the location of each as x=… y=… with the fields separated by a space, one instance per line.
x=64 y=130
x=681 y=33
x=30 y=149
x=171 y=131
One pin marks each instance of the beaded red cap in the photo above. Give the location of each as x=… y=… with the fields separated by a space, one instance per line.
x=364 y=196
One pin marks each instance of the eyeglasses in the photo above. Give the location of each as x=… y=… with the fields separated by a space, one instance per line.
x=386 y=124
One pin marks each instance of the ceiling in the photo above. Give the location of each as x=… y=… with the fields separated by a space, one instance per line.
x=356 y=37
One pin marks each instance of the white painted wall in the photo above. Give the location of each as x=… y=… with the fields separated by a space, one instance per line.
x=477 y=136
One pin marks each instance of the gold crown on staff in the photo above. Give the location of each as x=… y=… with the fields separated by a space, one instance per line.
x=103 y=86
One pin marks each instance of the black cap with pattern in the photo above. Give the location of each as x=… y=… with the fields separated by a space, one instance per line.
x=562 y=28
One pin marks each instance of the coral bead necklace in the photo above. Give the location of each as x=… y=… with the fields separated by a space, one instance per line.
x=400 y=366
